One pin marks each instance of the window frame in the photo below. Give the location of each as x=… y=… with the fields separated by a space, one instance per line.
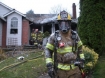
x=14 y=26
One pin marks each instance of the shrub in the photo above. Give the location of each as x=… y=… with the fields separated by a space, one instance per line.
x=91 y=24
x=2 y=55
x=91 y=57
x=46 y=34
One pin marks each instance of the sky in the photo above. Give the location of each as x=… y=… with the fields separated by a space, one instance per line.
x=41 y=6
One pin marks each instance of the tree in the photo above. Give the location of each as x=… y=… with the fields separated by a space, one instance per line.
x=91 y=24
x=57 y=9
x=30 y=13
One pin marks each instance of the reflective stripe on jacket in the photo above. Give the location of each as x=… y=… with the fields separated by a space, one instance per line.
x=79 y=43
x=64 y=50
x=50 y=46
x=49 y=60
x=82 y=56
x=33 y=34
x=61 y=66
x=66 y=66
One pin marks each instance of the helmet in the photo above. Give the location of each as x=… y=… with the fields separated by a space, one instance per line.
x=32 y=29
x=63 y=16
x=64 y=21
x=36 y=30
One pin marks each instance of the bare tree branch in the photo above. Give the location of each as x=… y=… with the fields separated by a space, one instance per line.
x=57 y=9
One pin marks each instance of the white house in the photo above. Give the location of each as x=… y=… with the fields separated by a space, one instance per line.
x=14 y=27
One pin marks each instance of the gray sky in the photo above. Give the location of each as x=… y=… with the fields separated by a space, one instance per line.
x=41 y=6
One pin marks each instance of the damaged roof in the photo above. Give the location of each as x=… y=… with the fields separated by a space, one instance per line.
x=46 y=18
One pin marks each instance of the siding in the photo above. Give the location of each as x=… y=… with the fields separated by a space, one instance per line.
x=0 y=33
x=14 y=39
x=3 y=10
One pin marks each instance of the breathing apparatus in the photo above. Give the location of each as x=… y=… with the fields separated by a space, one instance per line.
x=64 y=21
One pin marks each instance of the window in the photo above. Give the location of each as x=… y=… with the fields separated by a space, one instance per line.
x=13 y=31
x=14 y=26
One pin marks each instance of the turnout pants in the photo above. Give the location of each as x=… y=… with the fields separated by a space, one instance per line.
x=73 y=73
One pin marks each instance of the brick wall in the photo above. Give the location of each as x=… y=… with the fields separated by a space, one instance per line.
x=4 y=31
x=25 y=31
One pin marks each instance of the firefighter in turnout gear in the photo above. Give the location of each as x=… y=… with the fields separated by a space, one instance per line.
x=32 y=37
x=38 y=38
x=62 y=49
x=33 y=34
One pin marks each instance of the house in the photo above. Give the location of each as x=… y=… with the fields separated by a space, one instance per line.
x=15 y=27
x=48 y=22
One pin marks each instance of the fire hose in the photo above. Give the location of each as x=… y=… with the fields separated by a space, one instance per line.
x=16 y=64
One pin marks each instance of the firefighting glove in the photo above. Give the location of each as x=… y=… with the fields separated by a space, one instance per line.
x=82 y=63
x=50 y=68
x=79 y=63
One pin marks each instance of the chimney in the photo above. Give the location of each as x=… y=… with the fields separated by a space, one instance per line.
x=74 y=11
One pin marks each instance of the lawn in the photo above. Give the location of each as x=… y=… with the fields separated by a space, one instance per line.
x=99 y=70
x=31 y=67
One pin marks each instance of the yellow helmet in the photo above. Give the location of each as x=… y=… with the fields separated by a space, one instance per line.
x=63 y=16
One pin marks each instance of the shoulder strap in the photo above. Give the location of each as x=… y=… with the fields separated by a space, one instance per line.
x=55 y=50
x=74 y=38
x=56 y=38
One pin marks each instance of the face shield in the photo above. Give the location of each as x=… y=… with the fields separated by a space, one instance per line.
x=64 y=26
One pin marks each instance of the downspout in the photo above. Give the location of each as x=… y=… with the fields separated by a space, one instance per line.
x=53 y=27
x=42 y=28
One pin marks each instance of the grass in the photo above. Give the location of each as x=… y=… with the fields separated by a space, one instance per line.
x=29 y=69
x=99 y=70
x=33 y=68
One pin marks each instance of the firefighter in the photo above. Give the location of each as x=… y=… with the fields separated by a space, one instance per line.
x=40 y=39
x=36 y=38
x=62 y=49
x=32 y=37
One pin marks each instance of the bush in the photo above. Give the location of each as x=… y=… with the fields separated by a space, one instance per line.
x=91 y=24
x=2 y=55
x=46 y=34
x=91 y=57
